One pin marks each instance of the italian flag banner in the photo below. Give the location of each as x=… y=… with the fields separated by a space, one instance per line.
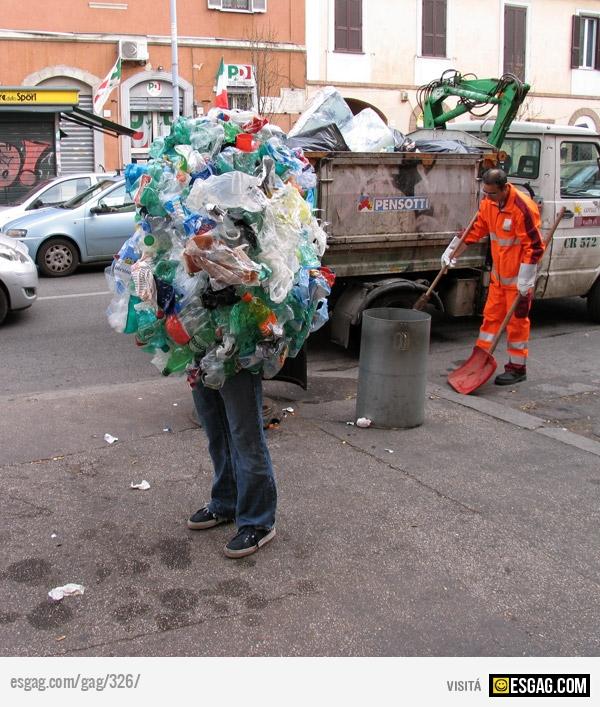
x=221 y=100
x=112 y=79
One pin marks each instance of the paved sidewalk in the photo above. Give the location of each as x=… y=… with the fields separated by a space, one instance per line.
x=474 y=534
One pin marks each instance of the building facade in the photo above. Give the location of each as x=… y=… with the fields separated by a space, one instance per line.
x=378 y=52
x=74 y=45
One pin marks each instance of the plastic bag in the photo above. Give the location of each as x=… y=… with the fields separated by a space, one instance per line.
x=325 y=107
x=367 y=132
x=230 y=190
x=224 y=265
x=326 y=138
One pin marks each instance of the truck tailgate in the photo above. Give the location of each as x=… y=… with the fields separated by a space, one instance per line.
x=395 y=212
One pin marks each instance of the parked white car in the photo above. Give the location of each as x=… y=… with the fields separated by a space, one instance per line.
x=50 y=192
x=18 y=277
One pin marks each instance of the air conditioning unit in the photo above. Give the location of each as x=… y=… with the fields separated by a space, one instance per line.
x=133 y=49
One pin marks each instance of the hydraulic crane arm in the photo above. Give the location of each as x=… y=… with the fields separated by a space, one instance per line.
x=507 y=92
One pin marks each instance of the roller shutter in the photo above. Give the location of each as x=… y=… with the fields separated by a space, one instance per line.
x=27 y=152
x=77 y=143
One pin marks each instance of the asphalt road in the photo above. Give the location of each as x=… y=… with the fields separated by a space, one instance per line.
x=64 y=341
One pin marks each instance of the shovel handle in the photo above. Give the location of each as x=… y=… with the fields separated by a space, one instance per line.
x=424 y=298
x=513 y=306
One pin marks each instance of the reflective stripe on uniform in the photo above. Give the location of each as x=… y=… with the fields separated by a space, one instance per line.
x=485 y=336
x=504 y=242
x=519 y=360
x=504 y=280
x=519 y=345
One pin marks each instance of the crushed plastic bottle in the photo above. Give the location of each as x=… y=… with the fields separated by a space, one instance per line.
x=223 y=271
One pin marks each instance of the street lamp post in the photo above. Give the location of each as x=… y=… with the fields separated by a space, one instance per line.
x=174 y=62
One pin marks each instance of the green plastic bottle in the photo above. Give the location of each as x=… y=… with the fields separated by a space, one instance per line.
x=178 y=360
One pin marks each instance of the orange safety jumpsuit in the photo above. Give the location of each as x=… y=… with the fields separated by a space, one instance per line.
x=514 y=232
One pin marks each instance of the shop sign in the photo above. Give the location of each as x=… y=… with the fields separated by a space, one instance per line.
x=240 y=75
x=28 y=96
x=154 y=88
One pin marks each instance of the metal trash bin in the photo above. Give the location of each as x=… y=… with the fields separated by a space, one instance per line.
x=392 y=373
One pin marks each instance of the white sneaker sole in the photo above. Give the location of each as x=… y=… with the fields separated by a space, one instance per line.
x=205 y=525
x=236 y=554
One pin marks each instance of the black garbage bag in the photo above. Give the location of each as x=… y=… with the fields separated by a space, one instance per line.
x=455 y=146
x=327 y=138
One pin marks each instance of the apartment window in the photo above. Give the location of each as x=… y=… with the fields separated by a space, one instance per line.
x=585 y=43
x=515 y=32
x=348 y=26
x=238 y=5
x=433 y=38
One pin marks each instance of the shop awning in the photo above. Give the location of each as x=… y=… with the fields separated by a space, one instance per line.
x=90 y=120
x=75 y=115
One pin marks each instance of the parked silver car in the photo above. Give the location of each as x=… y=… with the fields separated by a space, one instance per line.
x=50 y=192
x=18 y=277
x=90 y=228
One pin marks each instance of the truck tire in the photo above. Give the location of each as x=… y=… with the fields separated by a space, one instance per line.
x=3 y=305
x=593 y=302
x=402 y=300
x=57 y=257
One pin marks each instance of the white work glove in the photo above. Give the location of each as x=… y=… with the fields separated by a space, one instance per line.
x=526 y=278
x=448 y=258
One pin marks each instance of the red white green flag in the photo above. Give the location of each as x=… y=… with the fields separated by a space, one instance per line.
x=112 y=79
x=221 y=99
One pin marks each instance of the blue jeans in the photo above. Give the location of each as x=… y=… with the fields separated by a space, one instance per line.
x=244 y=483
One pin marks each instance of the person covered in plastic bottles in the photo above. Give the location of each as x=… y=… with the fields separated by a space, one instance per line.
x=243 y=489
x=512 y=221
x=222 y=281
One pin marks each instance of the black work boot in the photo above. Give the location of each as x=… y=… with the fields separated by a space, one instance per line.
x=513 y=373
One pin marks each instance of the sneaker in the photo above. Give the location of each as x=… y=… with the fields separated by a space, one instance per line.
x=203 y=519
x=513 y=373
x=248 y=540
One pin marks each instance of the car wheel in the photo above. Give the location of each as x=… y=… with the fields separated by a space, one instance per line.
x=3 y=305
x=593 y=303
x=57 y=257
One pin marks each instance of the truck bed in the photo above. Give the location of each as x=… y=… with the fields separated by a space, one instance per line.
x=394 y=212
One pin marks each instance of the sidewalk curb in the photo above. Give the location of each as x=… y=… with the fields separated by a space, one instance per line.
x=516 y=417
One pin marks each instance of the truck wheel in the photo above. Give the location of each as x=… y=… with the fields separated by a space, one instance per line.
x=401 y=300
x=57 y=257
x=593 y=302
x=3 y=305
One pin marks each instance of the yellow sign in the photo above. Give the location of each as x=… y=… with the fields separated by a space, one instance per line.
x=500 y=686
x=34 y=96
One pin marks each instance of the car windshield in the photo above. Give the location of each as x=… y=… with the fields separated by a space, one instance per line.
x=87 y=194
x=31 y=192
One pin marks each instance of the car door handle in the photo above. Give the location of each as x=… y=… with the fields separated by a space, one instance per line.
x=568 y=214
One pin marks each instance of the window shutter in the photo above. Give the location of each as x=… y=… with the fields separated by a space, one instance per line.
x=439 y=42
x=433 y=37
x=576 y=42
x=427 y=27
x=348 y=25
x=515 y=30
x=259 y=5
x=355 y=25
x=597 y=56
x=341 y=25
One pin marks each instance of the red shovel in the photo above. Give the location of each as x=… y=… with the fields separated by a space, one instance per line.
x=481 y=365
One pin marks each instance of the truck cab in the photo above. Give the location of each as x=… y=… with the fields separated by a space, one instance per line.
x=559 y=166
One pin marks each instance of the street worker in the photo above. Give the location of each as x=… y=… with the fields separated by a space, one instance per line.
x=243 y=489
x=512 y=221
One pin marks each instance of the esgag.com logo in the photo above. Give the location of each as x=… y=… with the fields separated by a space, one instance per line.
x=527 y=685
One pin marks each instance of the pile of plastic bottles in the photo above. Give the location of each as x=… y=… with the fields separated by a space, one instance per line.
x=223 y=271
